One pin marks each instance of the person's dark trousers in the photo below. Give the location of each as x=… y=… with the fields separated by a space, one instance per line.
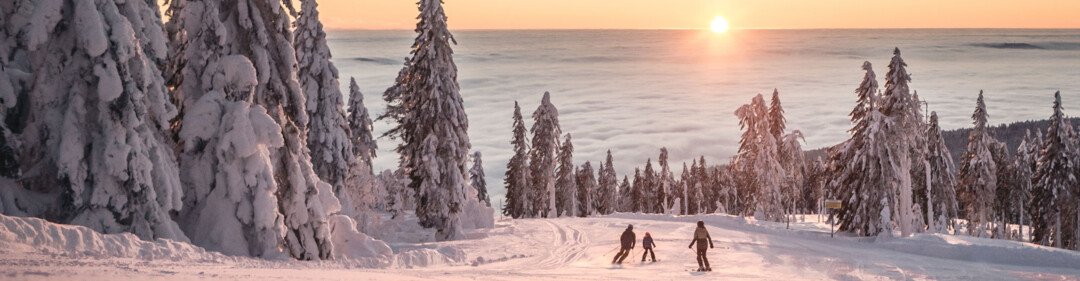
x=648 y=251
x=619 y=257
x=702 y=258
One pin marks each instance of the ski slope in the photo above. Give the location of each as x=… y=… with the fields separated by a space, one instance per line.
x=548 y=249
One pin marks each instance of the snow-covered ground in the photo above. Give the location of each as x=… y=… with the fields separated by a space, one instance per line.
x=549 y=249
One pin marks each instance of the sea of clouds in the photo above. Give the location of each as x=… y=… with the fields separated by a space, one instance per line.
x=634 y=92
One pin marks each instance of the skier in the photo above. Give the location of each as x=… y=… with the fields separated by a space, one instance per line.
x=627 y=243
x=648 y=244
x=700 y=236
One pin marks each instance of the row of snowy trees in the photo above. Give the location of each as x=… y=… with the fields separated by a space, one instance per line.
x=568 y=190
x=895 y=172
x=543 y=181
x=224 y=126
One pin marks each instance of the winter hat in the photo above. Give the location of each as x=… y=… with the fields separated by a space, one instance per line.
x=647 y=234
x=700 y=224
x=629 y=226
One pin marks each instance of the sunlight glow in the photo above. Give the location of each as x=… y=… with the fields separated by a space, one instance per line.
x=719 y=25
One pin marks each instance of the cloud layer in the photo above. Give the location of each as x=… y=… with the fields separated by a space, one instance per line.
x=635 y=91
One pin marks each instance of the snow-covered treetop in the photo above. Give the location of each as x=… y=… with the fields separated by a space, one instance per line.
x=777 y=122
x=363 y=138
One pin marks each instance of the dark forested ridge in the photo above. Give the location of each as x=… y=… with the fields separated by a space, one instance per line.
x=957 y=139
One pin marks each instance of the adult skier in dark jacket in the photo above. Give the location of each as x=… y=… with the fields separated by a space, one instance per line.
x=626 y=244
x=700 y=236
x=648 y=245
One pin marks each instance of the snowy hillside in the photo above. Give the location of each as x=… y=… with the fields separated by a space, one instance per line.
x=566 y=248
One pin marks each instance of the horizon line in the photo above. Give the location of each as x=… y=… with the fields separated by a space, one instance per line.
x=706 y=29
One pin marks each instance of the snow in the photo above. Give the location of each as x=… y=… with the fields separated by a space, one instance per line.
x=545 y=249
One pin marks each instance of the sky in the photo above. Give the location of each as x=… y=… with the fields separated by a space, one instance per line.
x=696 y=14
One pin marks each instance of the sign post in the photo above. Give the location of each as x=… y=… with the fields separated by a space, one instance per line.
x=832 y=204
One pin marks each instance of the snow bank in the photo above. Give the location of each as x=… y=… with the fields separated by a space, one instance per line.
x=984 y=250
x=350 y=243
x=33 y=235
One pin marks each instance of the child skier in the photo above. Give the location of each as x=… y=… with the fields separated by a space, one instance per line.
x=648 y=244
x=700 y=236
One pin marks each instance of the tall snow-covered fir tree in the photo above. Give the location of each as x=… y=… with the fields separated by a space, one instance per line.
x=666 y=184
x=586 y=184
x=684 y=184
x=1054 y=201
x=566 y=188
x=649 y=197
x=517 y=171
x=777 y=121
x=199 y=39
x=607 y=199
x=227 y=142
x=855 y=165
x=940 y=200
x=626 y=195
x=758 y=158
x=362 y=136
x=477 y=181
x=84 y=95
x=431 y=124
x=545 y=145
x=978 y=177
x=791 y=155
x=902 y=123
x=329 y=138
x=1025 y=163
x=637 y=195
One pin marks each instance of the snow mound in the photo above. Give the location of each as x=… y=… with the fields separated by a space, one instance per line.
x=33 y=235
x=350 y=243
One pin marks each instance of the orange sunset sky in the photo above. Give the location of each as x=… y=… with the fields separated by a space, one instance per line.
x=694 y=14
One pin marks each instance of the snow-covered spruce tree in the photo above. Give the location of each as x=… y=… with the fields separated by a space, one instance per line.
x=586 y=184
x=362 y=136
x=227 y=142
x=637 y=194
x=607 y=199
x=855 y=166
x=693 y=193
x=84 y=97
x=793 y=160
x=684 y=184
x=545 y=145
x=517 y=172
x=566 y=187
x=919 y=168
x=1053 y=197
x=199 y=33
x=902 y=123
x=328 y=136
x=625 y=196
x=1025 y=164
x=941 y=204
x=431 y=124
x=666 y=185
x=706 y=186
x=477 y=181
x=777 y=122
x=727 y=193
x=814 y=193
x=758 y=156
x=789 y=149
x=978 y=176
x=649 y=201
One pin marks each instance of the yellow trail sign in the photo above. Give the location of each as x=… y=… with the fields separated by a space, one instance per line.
x=832 y=204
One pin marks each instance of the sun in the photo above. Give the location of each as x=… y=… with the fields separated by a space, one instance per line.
x=719 y=25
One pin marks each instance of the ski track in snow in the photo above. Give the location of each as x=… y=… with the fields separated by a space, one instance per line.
x=554 y=249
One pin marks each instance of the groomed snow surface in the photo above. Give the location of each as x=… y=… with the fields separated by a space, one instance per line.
x=550 y=249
